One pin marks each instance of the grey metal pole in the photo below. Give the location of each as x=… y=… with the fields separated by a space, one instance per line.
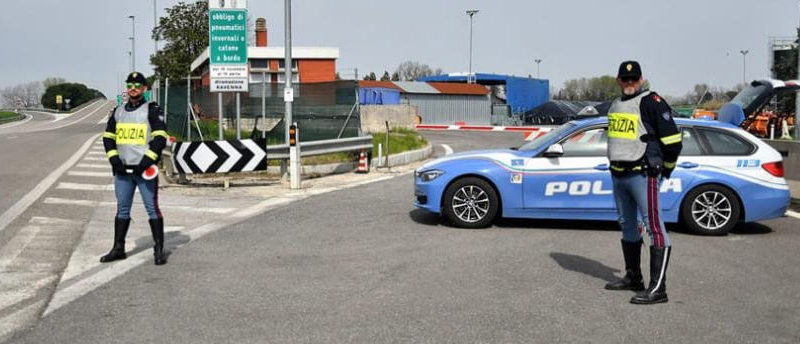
x=744 y=66
x=189 y=107
x=288 y=98
x=166 y=100
x=470 y=78
x=264 y=105
x=288 y=63
x=238 y=116
x=219 y=116
x=155 y=43
x=133 y=42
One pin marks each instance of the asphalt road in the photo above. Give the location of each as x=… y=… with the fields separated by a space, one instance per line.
x=33 y=149
x=363 y=266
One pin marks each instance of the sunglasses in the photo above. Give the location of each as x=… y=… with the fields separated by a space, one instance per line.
x=132 y=85
x=629 y=79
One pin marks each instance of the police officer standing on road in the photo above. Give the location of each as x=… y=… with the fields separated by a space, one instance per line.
x=643 y=146
x=133 y=140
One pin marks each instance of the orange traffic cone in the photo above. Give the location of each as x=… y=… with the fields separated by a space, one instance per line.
x=363 y=165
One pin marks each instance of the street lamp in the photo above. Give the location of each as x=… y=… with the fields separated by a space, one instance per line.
x=130 y=59
x=538 y=61
x=470 y=77
x=133 y=43
x=744 y=65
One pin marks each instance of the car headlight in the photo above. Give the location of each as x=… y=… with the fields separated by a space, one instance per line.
x=429 y=175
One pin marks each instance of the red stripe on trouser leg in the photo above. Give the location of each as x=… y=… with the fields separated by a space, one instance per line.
x=155 y=199
x=653 y=212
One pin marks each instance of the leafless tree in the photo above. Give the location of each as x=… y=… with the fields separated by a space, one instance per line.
x=412 y=70
x=52 y=81
x=29 y=94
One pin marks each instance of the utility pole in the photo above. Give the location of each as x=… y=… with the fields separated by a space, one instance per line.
x=538 y=61
x=155 y=92
x=744 y=65
x=470 y=77
x=288 y=98
x=133 y=43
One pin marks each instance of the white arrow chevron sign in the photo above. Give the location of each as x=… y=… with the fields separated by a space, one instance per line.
x=219 y=156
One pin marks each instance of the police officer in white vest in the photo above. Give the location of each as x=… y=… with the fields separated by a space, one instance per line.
x=643 y=147
x=133 y=140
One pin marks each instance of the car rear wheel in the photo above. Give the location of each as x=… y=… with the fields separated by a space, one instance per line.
x=710 y=210
x=470 y=203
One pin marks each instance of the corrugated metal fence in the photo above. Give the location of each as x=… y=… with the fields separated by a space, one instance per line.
x=449 y=109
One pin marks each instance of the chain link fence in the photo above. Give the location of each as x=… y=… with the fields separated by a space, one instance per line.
x=326 y=110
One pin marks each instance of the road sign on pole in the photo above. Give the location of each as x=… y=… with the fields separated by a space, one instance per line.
x=227 y=26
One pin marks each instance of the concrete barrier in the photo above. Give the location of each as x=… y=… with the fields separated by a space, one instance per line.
x=374 y=117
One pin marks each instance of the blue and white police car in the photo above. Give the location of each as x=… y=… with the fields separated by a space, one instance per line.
x=724 y=175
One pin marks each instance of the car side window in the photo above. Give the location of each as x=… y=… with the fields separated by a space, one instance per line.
x=592 y=142
x=722 y=143
x=690 y=144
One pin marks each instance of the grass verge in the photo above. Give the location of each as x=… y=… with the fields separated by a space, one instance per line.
x=7 y=116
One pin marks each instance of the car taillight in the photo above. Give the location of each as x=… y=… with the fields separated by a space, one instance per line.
x=774 y=168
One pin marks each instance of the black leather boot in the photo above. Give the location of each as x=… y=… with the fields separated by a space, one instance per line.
x=118 y=251
x=657 y=290
x=157 y=229
x=633 y=271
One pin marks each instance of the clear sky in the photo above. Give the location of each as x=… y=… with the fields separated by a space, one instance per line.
x=679 y=42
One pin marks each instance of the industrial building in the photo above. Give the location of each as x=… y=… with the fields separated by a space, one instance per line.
x=517 y=93
x=435 y=102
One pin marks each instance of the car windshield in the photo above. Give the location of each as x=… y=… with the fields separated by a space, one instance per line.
x=749 y=94
x=541 y=140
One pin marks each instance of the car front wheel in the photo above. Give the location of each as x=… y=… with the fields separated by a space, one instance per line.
x=470 y=203
x=710 y=210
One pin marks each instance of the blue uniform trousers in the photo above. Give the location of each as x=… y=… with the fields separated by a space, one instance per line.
x=638 y=194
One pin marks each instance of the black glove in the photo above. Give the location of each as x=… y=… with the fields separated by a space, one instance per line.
x=143 y=165
x=666 y=172
x=117 y=166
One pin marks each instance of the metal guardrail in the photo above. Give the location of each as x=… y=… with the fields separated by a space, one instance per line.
x=311 y=148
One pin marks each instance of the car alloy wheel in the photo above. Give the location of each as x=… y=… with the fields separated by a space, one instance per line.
x=471 y=203
x=711 y=210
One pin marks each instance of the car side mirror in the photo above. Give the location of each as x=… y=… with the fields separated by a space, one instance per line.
x=554 y=151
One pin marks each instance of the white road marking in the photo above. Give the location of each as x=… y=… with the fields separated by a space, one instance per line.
x=102 y=104
x=447 y=149
x=106 y=166
x=17 y=244
x=94 y=204
x=85 y=187
x=793 y=214
x=94 y=152
x=64 y=296
x=88 y=158
x=88 y=174
x=25 y=202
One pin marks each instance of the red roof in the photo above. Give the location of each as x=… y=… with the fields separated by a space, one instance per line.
x=459 y=88
x=376 y=83
x=442 y=87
